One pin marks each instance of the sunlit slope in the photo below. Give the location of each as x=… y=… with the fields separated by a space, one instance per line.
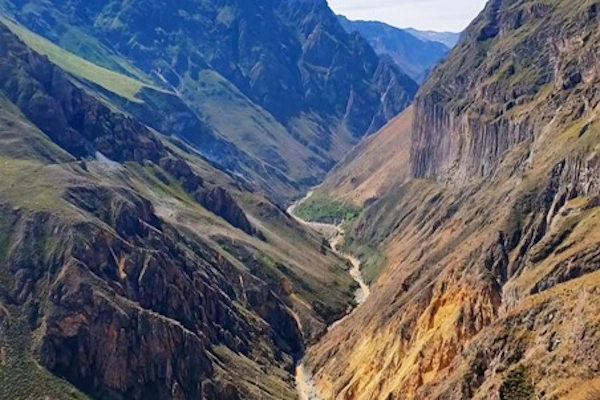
x=491 y=288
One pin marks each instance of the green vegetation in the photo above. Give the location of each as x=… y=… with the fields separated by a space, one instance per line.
x=150 y=175
x=373 y=262
x=321 y=208
x=119 y=84
x=517 y=385
x=76 y=41
x=31 y=185
x=21 y=377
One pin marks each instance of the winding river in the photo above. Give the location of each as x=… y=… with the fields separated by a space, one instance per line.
x=304 y=380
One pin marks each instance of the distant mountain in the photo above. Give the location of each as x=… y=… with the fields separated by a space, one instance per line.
x=449 y=39
x=282 y=81
x=414 y=55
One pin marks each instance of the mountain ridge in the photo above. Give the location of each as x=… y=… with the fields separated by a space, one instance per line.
x=414 y=55
x=297 y=130
x=449 y=39
x=133 y=268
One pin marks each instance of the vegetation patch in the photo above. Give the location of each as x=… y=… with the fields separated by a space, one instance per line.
x=321 y=208
x=517 y=386
x=373 y=263
x=21 y=377
x=117 y=83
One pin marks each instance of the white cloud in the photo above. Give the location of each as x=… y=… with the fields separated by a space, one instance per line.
x=439 y=15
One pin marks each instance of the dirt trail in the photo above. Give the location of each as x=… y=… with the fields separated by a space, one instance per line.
x=304 y=380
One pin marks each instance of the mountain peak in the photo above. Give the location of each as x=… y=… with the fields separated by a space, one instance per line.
x=311 y=89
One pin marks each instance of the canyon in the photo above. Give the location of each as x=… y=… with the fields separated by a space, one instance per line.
x=149 y=154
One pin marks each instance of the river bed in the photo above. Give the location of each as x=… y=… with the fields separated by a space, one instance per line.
x=304 y=380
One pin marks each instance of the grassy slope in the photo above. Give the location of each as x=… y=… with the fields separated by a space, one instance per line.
x=374 y=166
x=117 y=83
x=251 y=127
x=72 y=38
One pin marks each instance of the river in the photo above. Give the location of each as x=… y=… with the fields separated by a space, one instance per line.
x=304 y=380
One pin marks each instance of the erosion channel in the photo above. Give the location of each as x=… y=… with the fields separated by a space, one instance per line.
x=304 y=380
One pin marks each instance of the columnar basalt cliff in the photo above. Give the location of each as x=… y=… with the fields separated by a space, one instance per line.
x=483 y=100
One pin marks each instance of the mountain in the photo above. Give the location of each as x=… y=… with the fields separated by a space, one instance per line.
x=375 y=166
x=479 y=223
x=413 y=54
x=449 y=39
x=131 y=267
x=280 y=81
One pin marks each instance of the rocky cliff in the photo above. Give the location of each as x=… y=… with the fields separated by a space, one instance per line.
x=485 y=100
x=131 y=268
x=489 y=287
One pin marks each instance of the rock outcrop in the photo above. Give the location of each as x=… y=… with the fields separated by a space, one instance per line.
x=482 y=101
x=131 y=313
x=220 y=202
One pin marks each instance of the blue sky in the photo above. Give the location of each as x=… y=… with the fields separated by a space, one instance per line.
x=438 y=15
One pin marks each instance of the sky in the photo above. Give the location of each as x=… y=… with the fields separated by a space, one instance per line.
x=437 y=15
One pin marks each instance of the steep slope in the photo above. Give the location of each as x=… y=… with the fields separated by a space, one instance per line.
x=162 y=110
x=281 y=80
x=449 y=39
x=131 y=268
x=414 y=55
x=378 y=164
x=491 y=286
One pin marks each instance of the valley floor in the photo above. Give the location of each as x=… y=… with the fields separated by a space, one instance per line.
x=304 y=380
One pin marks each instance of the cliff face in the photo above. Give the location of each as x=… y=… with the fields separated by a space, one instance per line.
x=490 y=284
x=484 y=99
x=73 y=119
x=131 y=268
